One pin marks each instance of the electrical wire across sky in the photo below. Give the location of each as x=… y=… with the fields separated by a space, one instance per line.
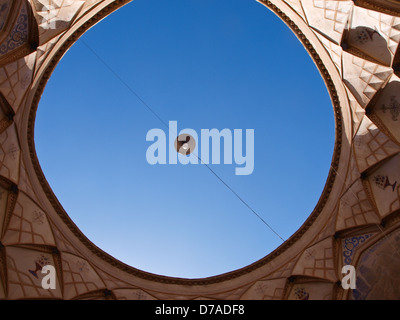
x=164 y=123
x=176 y=134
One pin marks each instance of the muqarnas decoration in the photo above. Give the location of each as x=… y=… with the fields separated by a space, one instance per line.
x=383 y=182
x=394 y=108
x=40 y=262
x=301 y=294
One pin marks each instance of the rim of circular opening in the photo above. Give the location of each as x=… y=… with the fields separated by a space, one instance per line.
x=113 y=6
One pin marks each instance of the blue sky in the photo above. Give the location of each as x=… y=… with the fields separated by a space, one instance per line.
x=205 y=64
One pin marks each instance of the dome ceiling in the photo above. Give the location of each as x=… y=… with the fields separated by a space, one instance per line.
x=356 y=222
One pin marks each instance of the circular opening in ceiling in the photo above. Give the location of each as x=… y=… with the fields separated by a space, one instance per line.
x=202 y=65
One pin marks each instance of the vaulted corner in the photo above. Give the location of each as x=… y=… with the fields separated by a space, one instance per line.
x=18 y=30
